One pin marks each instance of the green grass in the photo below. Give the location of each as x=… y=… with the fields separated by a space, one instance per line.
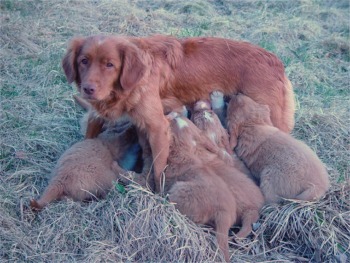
x=39 y=121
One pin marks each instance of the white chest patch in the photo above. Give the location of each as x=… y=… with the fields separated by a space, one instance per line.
x=181 y=123
x=100 y=42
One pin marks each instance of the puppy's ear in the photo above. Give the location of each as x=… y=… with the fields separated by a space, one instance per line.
x=133 y=68
x=233 y=132
x=69 y=63
x=264 y=114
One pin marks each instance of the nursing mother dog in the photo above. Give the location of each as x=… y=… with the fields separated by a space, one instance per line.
x=144 y=77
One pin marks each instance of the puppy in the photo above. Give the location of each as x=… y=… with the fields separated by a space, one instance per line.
x=142 y=77
x=208 y=122
x=85 y=171
x=285 y=167
x=206 y=189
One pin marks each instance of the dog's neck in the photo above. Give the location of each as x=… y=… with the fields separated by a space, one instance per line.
x=114 y=106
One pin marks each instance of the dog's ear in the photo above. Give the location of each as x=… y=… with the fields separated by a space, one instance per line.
x=133 y=67
x=69 y=63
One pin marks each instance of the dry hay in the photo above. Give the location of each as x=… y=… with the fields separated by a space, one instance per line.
x=133 y=224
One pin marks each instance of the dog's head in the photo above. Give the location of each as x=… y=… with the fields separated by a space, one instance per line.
x=101 y=65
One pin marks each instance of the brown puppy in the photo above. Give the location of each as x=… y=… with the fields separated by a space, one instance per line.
x=85 y=171
x=208 y=122
x=285 y=167
x=143 y=76
x=206 y=189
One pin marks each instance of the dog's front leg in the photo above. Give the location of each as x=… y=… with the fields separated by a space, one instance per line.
x=159 y=140
x=94 y=126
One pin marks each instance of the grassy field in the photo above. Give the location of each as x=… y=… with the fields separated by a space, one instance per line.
x=39 y=120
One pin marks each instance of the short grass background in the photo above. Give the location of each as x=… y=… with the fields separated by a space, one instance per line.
x=39 y=120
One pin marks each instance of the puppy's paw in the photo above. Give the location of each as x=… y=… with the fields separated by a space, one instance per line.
x=217 y=100
x=172 y=115
x=35 y=206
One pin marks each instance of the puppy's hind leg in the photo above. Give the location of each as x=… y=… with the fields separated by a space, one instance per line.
x=269 y=185
x=222 y=225
x=249 y=217
x=53 y=192
x=310 y=194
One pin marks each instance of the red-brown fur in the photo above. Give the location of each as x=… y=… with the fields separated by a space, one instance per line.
x=285 y=167
x=144 y=76
x=85 y=171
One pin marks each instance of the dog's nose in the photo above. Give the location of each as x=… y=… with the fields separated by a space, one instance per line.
x=89 y=89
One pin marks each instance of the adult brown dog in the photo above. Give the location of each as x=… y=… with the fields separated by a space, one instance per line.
x=142 y=77
x=285 y=167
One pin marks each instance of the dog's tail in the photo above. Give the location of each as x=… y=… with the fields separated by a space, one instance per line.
x=53 y=192
x=289 y=105
x=83 y=103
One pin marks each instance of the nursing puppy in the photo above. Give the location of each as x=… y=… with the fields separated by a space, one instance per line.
x=285 y=167
x=206 y=189
x=208 y=122
x=143 y=77
x=85 y=171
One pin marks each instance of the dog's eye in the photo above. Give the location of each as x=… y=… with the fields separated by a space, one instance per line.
x=84 y=61
x=109 y=65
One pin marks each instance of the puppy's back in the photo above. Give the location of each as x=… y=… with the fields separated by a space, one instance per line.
x=285 y=166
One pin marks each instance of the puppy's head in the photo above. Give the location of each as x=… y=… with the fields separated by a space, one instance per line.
x=203 y=117
x=188 y=141
x=242 y=110
x=184 y=133
x=102 y=65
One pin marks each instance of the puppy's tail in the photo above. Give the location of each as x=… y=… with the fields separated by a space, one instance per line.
x=52 y=192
